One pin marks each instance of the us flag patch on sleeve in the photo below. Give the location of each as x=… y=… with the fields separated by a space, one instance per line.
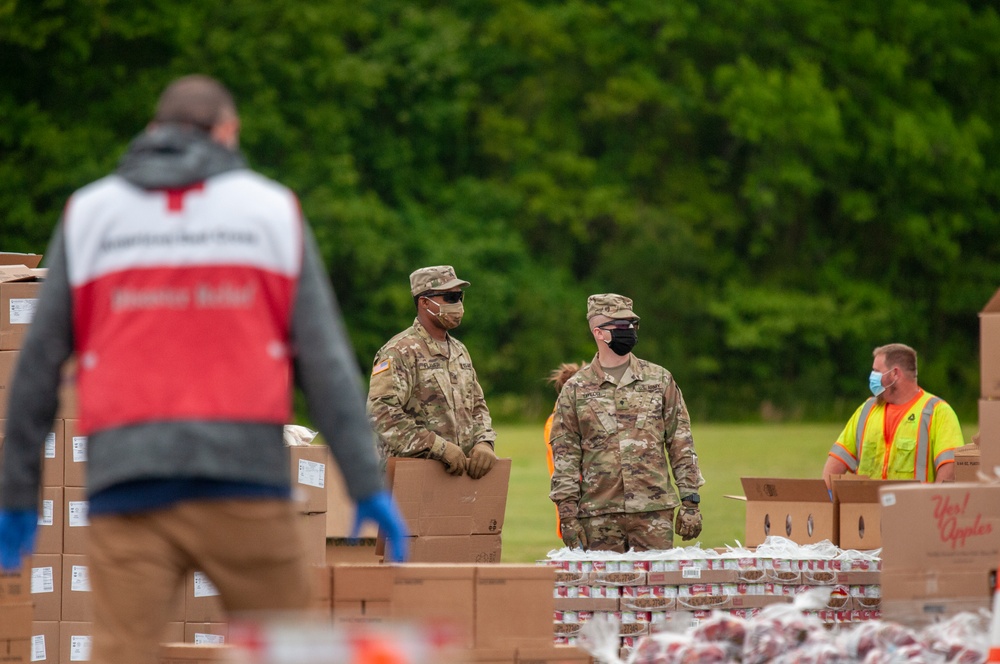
x=380 y=367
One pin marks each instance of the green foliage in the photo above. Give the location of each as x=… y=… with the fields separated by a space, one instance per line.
x=781 y=185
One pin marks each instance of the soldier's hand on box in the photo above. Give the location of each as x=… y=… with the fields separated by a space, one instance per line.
x=573 y=534
x=688 y=522
x=17 y=537
x=481 y=460
x=382 y=509
x=453 y=459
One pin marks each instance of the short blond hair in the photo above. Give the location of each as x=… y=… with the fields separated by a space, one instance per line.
x=899 y=355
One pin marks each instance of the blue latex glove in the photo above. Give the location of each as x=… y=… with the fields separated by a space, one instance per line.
x=382 y=509
x=17 y=537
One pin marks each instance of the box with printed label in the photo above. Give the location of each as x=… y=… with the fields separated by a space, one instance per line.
x=53 y=455
x=51 y=521
x=967 y=460
x=202 y=603
x=19 y=288
x=76 y=520
x=75 y=455
x=940 y=549
x=798 y=509
x=501 y=587
x=46 y=585
x=77 y=605
x=309 y=471
x=75 y=641
x=45 y=641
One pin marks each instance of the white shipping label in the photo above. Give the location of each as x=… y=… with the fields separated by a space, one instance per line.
x=42 y=580
x=38 y=648
x=78 y=513
x=50 y=445
x=79 y=579
x=22 y=310
x=312 y=473
x=79 y=648
x=215 y=639
x=888 y=499
x=79 y=449
x=203 y=586
x=48 y=508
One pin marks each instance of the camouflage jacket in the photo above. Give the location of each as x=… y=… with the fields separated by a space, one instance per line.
x=615 y=445
x=421 y=396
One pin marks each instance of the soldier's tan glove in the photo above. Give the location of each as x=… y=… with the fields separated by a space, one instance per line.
x=688 y=522
x=481 y=460
x=573 y=534
x=453 y=459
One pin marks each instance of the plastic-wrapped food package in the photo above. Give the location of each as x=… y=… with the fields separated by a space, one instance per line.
x=781 y=628
x=722 y=628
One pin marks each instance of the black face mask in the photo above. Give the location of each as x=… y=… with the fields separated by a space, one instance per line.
x=623 y=341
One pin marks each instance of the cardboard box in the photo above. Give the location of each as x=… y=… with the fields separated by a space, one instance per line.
x=361 y=593
x=15 y=650
x=46 y=586
x=308 y=466
x=455 y=548
x=19 y=288
x=490 y=656
x=553 y=654
x=940 y=548
x=320 y=589
x=8 y=359
x=313 y=531
x=860 y=512
x=190 y=653
x=202 y=603
x=51 y=521
x=798 y=509
x=442 y=595
x=436 y=503
x=74 y=641
x=340 y=509
x=75 y=454
x=989 y=436
x=514 y=605
x=209 y=633
x=967 y=463
x=15 y=621
x=77 y=605
x=76 y=522
x=345 y=550
x=53 y=466
x=45 y=641
x=15 y=587
x=173 y=632
x=989 y=348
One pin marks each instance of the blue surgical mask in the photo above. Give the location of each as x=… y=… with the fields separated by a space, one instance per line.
x=875 y=383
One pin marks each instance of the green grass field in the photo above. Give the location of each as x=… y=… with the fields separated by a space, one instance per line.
x=726 y=452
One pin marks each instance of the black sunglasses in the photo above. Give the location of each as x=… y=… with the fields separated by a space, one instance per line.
x=623 y=324
x=451 y=297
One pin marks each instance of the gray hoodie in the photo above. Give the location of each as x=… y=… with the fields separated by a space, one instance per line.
x=324 y=368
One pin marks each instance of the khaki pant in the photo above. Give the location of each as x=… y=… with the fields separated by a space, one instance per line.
x=633 y=531
x=250 y=549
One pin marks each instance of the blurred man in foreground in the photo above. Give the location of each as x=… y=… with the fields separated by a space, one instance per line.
x=191 y=291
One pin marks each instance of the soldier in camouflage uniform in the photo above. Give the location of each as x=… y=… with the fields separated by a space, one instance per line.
x=620 y=429
x=424 y=399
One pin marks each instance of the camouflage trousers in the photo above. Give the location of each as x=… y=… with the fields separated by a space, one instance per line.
x=635 y=531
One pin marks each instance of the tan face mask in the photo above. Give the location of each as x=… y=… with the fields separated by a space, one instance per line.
x=450 y=315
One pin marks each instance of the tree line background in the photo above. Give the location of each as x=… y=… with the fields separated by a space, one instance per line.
x=781 y=185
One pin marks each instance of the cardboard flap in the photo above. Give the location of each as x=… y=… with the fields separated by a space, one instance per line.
x=14 y=258
x=436 y=503
x=10 y=273
x=852 y=489
x=782 y=489
x=993 y=306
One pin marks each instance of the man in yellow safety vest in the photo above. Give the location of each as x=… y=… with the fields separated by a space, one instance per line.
x=902 y=432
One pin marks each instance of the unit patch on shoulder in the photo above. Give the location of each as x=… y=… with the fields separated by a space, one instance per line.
x=380 y=367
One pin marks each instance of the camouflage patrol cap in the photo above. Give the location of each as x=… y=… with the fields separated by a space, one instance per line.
x=439 y=277
x=611 y=305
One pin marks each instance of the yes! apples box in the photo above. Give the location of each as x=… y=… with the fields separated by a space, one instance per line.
x=940 y=549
